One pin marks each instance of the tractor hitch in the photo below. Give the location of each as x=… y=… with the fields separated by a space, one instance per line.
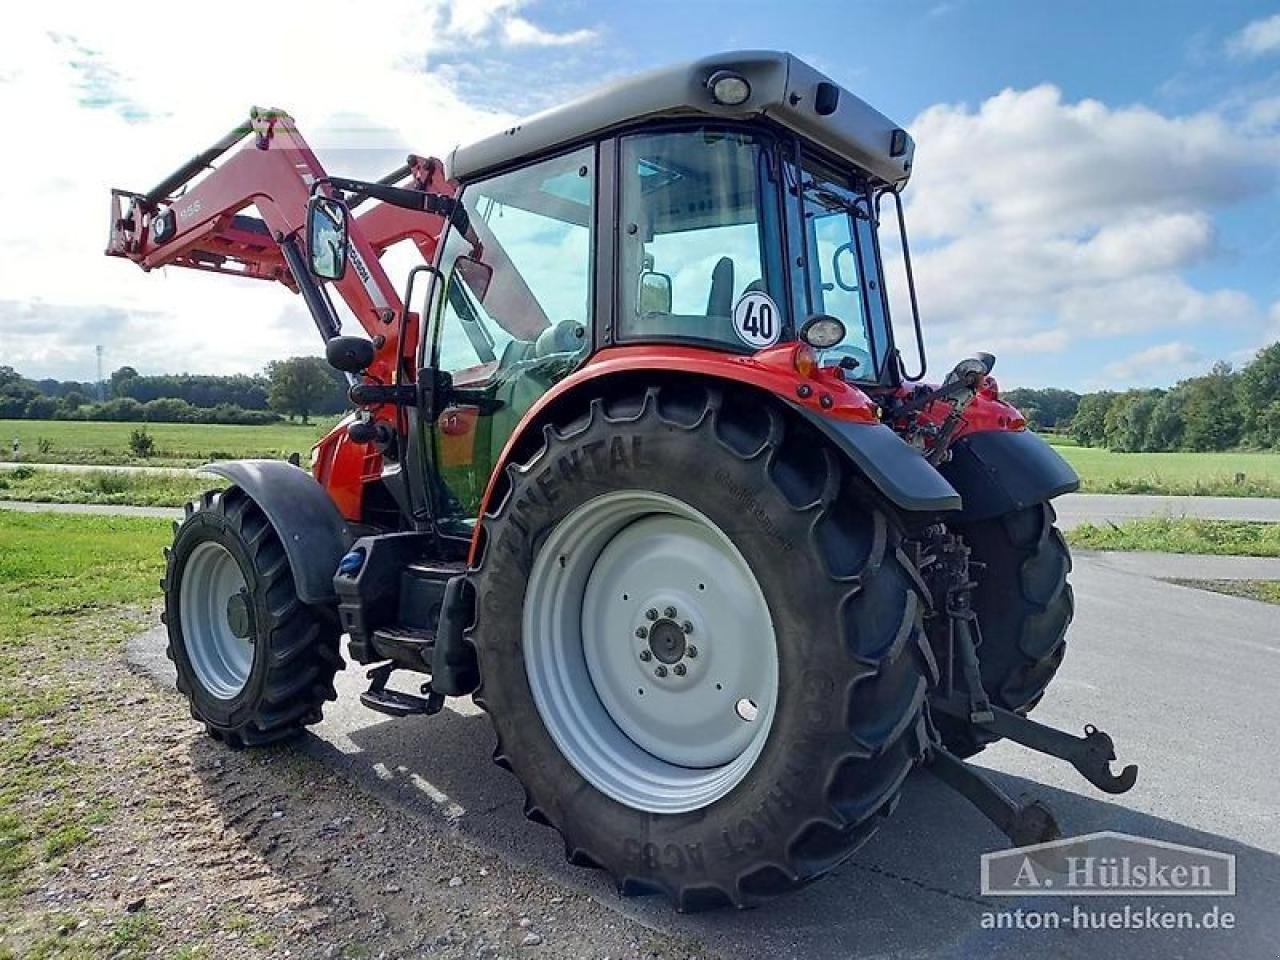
x=1091 y=754
x=1024 y=824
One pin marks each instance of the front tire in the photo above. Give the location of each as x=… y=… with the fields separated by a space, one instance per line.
x=833 y=658
x=255 y=663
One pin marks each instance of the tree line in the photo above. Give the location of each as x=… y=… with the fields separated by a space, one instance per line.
x=1221 y=410
x=297 y=387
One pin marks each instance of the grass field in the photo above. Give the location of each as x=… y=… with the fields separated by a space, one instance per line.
x=150 y=489
x=69 y=586
x=180 y=444
x=1182 y=535
x=1227 y=474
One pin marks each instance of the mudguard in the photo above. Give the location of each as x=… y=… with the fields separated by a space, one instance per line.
x=998 y=471
x=894 y=467
x=314 y=534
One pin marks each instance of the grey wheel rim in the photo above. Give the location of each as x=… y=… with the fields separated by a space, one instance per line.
x=213 y=592
x=650 y=651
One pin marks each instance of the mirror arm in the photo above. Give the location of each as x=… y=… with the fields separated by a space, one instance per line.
x=318 y=305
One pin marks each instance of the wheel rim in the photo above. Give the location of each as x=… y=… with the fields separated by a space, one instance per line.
x=650 y=651
x=213 y=601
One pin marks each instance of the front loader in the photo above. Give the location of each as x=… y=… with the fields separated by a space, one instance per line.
x=636 y=462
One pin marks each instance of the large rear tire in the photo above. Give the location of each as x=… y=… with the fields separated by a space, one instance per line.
x=687 y=516
x=255 y=663
x=1024 y=606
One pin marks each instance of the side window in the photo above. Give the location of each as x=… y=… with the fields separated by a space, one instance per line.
x=697 y=230
x=516 y=312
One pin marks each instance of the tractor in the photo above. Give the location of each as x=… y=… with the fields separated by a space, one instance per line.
x=634 y=460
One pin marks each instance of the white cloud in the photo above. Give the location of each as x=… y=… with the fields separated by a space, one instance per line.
x=1039 y=221
x=102 y=112
x=1259 y=38
x=1159 y=364
x=475 y=19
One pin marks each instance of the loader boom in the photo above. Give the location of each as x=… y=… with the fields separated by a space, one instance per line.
x=198 y=217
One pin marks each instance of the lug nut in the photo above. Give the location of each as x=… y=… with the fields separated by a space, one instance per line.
x=661 y=671
x=687 y=627
x=651 y=614
x=642 y=632
x=646 y=656
x=680 y=669
x=669 y=613
x=691 y=651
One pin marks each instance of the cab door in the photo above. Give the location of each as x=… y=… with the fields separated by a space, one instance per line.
x=514 y=318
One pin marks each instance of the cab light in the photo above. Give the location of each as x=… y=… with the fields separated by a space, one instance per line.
x=728 y=89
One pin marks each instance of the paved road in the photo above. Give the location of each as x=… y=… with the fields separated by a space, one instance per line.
x=1073 y=509
x=1184 y=680
x=96 y=509
x=95 y=468
x=1077 y=508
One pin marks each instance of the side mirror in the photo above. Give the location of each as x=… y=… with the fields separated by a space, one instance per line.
x=349 y=354
x=655 y=293
x=327 y=237
x=476 y=275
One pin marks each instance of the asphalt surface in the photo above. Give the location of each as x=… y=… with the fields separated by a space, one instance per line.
x=1073 y=509
x=1184 y=680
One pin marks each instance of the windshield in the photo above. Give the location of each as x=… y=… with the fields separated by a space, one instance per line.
x=700 y=248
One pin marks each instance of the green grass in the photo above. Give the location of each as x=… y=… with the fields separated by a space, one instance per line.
x=1227 y=474
x=102 y=486
x=1182 y=535
x=184 y=444
x=69 y=587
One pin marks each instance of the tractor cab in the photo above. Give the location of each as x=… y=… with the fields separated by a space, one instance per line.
x=720 y=206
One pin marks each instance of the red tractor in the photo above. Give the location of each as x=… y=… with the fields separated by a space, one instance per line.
x=635 y=462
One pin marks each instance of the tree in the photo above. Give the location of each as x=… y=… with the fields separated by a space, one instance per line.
x=1212 y=411
x=300 y=386
x=1128 y=419
x=1164 y=429
x=1258 y=387
x=1088 y=425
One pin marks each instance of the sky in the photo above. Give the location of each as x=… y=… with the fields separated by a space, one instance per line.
x=1095 y=200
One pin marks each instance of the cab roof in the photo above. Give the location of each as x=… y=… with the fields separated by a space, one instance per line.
x=784 y=89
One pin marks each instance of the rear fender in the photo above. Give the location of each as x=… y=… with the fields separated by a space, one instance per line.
x=999 y=471
x=841 y=411
x=314 y=534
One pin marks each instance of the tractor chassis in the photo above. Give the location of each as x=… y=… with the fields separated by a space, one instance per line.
x=944 y=562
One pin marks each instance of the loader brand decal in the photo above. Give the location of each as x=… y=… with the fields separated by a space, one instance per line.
x=1108 y=864
x=362 y=271
x=756 y=319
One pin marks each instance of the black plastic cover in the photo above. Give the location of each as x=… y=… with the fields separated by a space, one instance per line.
x=999 y=471
x=894 y=467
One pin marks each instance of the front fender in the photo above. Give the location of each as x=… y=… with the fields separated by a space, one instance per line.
x=999 y=471
x=313 y=532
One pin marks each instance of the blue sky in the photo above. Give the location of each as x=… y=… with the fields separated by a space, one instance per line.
x=1095 y=195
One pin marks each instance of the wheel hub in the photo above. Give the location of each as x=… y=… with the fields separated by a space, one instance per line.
x=666 y=642
x=215 y=617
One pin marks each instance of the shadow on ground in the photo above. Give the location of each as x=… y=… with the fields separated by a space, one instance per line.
x=912 y=890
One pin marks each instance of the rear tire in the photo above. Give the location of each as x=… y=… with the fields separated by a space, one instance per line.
x=848 y=725
x=1024 y=606
x=255 y=663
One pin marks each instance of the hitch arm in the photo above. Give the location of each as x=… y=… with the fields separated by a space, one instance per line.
x=1029 y=823
x=1091 y=754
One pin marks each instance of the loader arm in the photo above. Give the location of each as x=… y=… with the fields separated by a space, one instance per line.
x=206 y=225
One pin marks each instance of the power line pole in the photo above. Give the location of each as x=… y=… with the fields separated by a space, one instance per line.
x=102 y=386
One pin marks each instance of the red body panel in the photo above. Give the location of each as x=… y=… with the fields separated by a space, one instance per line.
x=345 y=468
